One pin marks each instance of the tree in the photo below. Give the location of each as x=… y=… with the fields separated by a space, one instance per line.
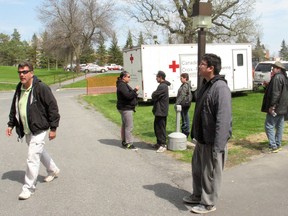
x=140 y=39
x=4 y=49
x=230 y=18
x=129 y=41
x=284 y=51
x=115 y=54
x=34 y=50
x=101 y=51
x=258 y=53
x=75 y=24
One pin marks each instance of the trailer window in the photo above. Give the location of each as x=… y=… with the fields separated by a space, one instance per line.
x=240 y=61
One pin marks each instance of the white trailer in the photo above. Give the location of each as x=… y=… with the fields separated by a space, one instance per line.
x=145 y=61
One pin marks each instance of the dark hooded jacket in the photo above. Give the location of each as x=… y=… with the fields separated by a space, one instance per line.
x=160 y=99
x=42 y=109
x=276 y=94
x=212 y=122
x=126 y=96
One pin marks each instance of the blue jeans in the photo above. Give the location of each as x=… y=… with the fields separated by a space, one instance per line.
x=274 y=127
x=185 y=127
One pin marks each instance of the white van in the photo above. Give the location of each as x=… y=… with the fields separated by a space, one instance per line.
x=262 y=74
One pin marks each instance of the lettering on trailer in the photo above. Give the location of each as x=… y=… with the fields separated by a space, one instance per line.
x=174 y=66
x=131 y=58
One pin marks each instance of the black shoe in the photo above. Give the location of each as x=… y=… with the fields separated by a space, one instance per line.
x=156 y=146
x=131 y=147
x=124 y=144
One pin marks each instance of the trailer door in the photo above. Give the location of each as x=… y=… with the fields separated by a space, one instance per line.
x=240 y=70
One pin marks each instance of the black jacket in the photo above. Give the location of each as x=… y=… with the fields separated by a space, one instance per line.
x=276 y=94
x=160 y=98
x=42 y=109
x=126 y=96
x=212 y=122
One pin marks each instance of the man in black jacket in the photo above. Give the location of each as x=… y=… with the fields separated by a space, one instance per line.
x=211 y=129
x=34 y=111
x=160 y=99
x=275 y=104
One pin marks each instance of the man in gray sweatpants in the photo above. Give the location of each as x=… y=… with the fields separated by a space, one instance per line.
x=211 y=128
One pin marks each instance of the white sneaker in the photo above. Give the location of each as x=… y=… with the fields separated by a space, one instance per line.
x=51 y=176
x=25 y=195
x=161 y=149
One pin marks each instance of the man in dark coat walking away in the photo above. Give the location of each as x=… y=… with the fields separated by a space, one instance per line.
x=160 y=99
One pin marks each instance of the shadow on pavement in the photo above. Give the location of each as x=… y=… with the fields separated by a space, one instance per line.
x=117 y=143
x=15 y=175
x=172 y=194
x=18 y=176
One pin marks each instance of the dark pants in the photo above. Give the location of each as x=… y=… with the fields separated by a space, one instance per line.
x=185 y=127
x=160 y=129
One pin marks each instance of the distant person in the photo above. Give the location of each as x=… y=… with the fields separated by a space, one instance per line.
x=275 y=104
x=211 y=128
x=126 y=102
x=184 y=98
x=160 y=98
x=34 y=111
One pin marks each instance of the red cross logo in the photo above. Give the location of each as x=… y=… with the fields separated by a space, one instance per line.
x=131 y=59
x=174 y=66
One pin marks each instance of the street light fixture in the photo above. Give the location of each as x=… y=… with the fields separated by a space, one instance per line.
x=202 y=11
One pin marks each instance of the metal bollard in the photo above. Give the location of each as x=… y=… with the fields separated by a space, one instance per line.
x=177 y=140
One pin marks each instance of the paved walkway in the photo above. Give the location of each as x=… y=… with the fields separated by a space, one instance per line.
x=98 y=177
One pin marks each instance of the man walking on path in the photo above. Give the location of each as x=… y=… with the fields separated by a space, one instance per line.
x=211 y=128
x=275 y=104
x=34 y=110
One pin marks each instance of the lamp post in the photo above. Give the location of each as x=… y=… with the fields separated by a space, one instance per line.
x=202 y=10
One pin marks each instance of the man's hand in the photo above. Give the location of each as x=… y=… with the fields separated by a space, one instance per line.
x=9 y=131
x=52 y=135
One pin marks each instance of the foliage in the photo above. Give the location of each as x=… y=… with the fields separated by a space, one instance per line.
x=230 y=18
x=140 y=39
x=129 y=41
x=115 y=54
x=12 y=49
x=259 y=51
x=284 y=51
x=101 y=57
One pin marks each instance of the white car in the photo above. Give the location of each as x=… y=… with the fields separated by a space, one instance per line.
x=92 y=68
x=262 y=74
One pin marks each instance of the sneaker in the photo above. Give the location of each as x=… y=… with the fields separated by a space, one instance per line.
x=24 y=195
x=52 y=175
x=131 y=147
x=192 y=199
x=279 y=148
x=161 y=149
x=202 y=209
x=274 y=150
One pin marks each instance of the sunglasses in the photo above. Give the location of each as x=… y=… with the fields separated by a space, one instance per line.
x=24 y=72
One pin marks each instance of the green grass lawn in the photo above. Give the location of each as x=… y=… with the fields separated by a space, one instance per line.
x=9 y=76
x=248 y=122
x=248 y=137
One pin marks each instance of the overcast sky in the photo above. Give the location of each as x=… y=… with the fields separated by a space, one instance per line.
x=22 y=15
